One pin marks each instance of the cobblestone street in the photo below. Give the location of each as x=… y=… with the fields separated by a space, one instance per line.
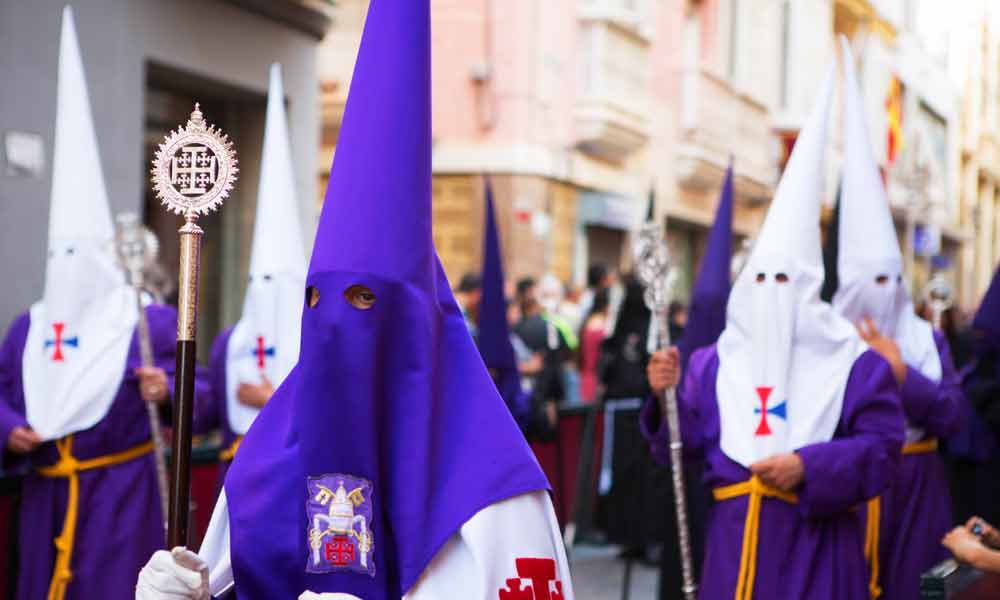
x=598 y=572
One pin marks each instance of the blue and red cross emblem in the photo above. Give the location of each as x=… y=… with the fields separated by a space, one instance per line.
x=262 y=351
x=778 y=410
x=59 y=340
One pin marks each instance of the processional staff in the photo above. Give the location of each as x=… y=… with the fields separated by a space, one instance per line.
x=939 y=298
x=137 y=248
x=652 y=263
x=193 y=172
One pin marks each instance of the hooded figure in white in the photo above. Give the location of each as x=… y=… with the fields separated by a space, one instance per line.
x=796 y=421
x=264 y=344
x=72 y=395
x=82 y=327
x=781 y=342
x=914 y=514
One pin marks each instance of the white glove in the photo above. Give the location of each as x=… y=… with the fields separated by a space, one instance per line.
x=307 y=595
x=176 y=575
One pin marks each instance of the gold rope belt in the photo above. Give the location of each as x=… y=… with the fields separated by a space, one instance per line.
x=69 y=468
x=757 y=490
x=229 y=453
x=875 y=514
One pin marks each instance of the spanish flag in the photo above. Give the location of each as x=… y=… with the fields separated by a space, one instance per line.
x=894 y=110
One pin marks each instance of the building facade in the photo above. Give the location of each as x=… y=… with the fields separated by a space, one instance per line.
x=146 y=63
x=578 y=109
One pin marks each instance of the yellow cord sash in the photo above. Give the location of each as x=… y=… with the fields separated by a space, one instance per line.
x=757 y=490
x=874 y=519
x=69 y=468
x=229 y=453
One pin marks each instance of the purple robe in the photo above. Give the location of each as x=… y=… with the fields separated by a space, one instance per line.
x=813 y=549
x=119 y=523
x=916 y=509
x=211 y=411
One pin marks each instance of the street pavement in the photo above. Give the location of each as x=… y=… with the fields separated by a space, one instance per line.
x=597 y=575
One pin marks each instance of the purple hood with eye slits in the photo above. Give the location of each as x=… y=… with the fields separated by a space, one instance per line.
x=394 y=400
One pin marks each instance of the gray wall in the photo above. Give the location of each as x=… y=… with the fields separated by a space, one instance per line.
x=117 y=37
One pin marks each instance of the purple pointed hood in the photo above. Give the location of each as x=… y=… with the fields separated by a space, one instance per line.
x=707 y=313
x=389 y=433
x=986 y=323
x=494 y=333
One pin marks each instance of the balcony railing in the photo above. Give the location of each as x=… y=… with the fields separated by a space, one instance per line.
x=611 y=116
x=717 y=122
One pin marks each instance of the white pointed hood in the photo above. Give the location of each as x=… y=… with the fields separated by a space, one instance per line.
x=266 y=338
x=785 y=356
x=81 y=329
x=869 y=262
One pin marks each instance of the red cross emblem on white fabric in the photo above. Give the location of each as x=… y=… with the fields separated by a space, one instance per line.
x=59 y=340
x=541 y=572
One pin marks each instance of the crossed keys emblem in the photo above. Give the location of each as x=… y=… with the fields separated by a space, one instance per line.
x=195 y=168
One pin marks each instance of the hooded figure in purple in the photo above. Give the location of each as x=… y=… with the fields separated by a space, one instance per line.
x=976 y=443
x=494 y=334
x=386 y=465
x=798 y=423
x=72 y=397
x=905 y=526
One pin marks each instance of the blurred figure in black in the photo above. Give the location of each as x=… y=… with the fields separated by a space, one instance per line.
x=542 y=339
x=634 y=488
x=467 y=295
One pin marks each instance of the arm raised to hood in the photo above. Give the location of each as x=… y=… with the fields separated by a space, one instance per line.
x=861 y=460
x=936 y=406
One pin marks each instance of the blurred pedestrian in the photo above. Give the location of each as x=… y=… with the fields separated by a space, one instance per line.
x=633 y=485
x=599 y=277
x=544 y=339
x=468 y=295
x=550 y=296
x=592 y=335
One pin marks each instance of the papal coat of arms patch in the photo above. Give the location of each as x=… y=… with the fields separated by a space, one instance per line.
x=339 y=513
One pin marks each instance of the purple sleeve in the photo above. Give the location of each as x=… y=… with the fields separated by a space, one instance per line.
x=210 y=399
x=11 y=415
x=861 y=461
x=935 y=406
x=654 y=426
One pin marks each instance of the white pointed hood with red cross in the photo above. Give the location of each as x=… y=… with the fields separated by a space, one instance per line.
x=81 y=329
x=265 y=341
x=869 y=262
x=785 y=355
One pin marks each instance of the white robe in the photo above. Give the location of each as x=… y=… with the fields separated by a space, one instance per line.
x=474 y=564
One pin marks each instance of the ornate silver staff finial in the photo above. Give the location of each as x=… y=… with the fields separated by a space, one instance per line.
x=137 y=247
x=653 y=268
x=939 y=297
x=195 y=168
